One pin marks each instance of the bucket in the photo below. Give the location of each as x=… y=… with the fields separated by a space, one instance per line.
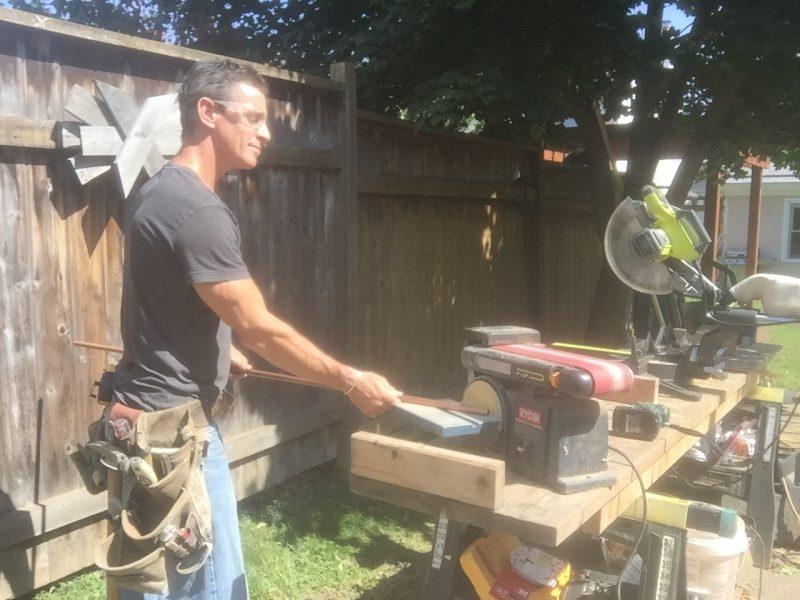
x=712 y=563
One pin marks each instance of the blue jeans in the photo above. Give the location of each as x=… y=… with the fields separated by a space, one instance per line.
x=222 y=576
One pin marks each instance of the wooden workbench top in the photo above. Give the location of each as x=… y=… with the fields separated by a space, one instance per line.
x=540 y=515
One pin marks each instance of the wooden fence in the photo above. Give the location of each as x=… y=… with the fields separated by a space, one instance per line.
x=379 y=241
x=456 y=232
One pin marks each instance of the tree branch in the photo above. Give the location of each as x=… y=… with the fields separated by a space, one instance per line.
x=703 y=138
x=606 y=182
x=648 y=133
x=609 y=307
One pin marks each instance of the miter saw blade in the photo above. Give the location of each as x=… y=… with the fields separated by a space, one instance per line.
x=643 y=274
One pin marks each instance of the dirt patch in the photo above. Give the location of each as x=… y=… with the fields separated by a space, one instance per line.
x=781 y=581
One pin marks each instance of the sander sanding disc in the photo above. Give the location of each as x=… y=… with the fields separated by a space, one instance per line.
x=482 y=394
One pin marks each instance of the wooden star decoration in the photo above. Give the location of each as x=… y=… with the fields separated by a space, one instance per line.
x=114 y=133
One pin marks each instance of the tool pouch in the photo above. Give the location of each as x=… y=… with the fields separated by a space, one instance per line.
x=130 y=566
x=137 y=553
x=92 y=472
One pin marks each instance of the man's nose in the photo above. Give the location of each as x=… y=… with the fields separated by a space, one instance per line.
x=263 y=132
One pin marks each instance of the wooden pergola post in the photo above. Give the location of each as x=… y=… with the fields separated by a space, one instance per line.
x=711 y=219
x=754 y=219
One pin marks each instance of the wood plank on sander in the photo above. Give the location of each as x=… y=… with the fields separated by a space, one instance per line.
x=645 y=389
x=456 y=475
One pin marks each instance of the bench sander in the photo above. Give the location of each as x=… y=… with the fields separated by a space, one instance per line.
x=542 y=418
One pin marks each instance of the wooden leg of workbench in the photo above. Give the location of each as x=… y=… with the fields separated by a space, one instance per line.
x=114 y=491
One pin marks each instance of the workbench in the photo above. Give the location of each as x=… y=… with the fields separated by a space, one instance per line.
x=537 y=514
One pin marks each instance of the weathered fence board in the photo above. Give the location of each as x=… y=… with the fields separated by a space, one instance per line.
x=455 y=233
x=570 y=255
x=72 y=31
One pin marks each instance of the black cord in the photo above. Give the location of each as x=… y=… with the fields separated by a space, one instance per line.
x=644 y=519
x=693 y=432
x=688 y=483
x=749 y=461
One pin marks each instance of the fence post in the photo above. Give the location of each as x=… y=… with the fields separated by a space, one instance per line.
x=534 y=243
x=347 y=239
x=754 y=220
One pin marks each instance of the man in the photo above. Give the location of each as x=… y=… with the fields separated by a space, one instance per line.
x=186 y=287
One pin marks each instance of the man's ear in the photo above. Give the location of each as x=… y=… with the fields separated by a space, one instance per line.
x=207 y=112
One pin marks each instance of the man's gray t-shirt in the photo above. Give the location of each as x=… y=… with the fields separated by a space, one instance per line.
x=177 y=233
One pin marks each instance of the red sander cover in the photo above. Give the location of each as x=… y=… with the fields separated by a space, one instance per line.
x=609 y=376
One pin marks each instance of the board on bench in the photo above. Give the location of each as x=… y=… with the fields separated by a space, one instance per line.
x=445 y=423
x=468 y=478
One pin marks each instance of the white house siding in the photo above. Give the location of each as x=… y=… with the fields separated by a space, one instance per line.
x=771 y=234
x=778 y=187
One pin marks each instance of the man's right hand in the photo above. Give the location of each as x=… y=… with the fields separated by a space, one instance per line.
x=372 y=394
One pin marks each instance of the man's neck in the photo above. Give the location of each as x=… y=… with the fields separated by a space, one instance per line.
x=200 y=158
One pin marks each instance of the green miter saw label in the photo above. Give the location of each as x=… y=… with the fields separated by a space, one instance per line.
x=682 y=235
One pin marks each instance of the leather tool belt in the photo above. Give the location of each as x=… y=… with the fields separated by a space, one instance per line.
x=163 y=515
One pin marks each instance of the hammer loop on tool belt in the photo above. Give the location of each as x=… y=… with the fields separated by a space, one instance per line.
x=163 y=515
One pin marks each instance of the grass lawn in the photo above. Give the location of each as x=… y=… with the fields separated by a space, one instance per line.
x=785 y=367
x=86 y=586
x=310 y=538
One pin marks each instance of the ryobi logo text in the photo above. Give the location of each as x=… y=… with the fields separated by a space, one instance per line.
x=529 y=416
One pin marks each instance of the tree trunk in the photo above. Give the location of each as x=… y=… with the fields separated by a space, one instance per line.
x=644 y=140
x=660 y=93
x=702 y=140
x=609 y=309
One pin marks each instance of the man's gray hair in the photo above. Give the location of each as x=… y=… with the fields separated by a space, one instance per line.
x=215 y=79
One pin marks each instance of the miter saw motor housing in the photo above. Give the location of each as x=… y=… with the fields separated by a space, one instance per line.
x=553 y=432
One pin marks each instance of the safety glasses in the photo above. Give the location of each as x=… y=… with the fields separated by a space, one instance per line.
x=251 y=118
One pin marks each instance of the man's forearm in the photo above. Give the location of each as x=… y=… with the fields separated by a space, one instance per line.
x=289 y=350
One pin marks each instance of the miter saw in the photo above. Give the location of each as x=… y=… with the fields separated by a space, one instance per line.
x=655 y=248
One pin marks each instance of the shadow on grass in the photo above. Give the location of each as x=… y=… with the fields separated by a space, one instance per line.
x=380 y=547
x=403 y=585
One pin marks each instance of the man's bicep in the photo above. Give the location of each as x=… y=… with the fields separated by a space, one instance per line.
x=240 y=304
